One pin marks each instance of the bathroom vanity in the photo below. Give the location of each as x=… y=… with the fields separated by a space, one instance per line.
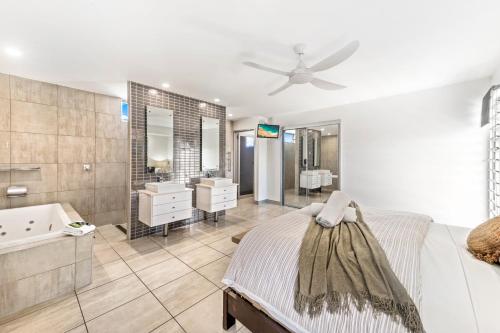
x=164 y=203
x=216 y=194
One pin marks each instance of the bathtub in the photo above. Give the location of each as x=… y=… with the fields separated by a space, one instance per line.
x=31 y=224
x=38 y=263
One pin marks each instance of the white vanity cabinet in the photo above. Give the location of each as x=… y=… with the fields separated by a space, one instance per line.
x=310 y=179
x=163 y=208
x=213 y=199
x=326 y=177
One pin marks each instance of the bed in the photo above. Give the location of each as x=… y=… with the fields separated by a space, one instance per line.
x=456 y=293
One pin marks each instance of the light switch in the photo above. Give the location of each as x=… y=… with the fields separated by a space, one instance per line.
x=86 y=167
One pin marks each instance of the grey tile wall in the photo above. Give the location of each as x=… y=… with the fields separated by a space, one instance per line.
x=187 y=146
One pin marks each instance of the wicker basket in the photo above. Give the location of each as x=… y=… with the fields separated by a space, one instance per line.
x=484 y=241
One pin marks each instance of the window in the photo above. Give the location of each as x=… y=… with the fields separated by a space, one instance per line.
x=124 y=111
x=494 y=153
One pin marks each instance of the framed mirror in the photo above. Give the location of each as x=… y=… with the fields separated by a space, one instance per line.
x=160 y=139
x=209 y=143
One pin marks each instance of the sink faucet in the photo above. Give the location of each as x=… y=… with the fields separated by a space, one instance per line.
x=161 y=178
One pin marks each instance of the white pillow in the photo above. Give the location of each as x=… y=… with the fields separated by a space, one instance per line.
x=333 y=212
x=350 y=214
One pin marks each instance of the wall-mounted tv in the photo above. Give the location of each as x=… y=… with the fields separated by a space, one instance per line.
x=268 y=131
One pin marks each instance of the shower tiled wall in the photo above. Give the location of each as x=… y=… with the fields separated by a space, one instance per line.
x=59 y=129
x=187 y=146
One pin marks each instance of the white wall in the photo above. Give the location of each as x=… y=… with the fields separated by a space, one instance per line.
x=423 y=152
x=496 y=77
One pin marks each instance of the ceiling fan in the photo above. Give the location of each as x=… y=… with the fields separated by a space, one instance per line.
x=303 y=74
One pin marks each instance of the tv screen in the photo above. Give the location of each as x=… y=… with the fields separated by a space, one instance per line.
x=268 y=131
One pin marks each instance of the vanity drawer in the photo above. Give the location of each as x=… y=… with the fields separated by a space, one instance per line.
x=223 y=197
x=223 y=205
x=171 y=207
x=171 y=197
x=224 y=190
x=171 y=217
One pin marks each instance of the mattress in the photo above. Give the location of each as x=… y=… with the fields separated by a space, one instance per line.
x=459 y=293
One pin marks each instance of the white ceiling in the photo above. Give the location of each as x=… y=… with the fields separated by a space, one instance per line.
x=198 y=46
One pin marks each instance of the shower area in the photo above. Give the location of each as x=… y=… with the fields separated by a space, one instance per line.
x=311 y=163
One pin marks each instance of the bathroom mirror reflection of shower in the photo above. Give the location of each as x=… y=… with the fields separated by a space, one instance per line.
x=311 y=164
x=160 y=140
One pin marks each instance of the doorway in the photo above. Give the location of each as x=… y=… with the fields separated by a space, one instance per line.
x=311 y=163
x=244 y=146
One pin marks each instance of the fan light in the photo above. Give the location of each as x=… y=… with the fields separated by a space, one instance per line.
x=216 y=100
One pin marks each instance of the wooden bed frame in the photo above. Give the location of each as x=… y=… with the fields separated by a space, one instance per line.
x=236 y=306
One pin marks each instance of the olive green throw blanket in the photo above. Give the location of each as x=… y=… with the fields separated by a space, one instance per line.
x=346 y=264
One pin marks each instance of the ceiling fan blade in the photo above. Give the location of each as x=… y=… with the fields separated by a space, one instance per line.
x=265 y=68
x=326 y=85
x=283 y=87
x=337 y=57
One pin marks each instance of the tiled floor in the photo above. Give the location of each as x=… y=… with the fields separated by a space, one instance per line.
x=153 y=284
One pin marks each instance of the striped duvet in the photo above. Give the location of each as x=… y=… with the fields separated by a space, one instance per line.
x=264 y=268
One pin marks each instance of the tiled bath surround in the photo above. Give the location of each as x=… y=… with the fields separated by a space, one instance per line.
x=60 y=129
x=35 y=273
x=187 y=145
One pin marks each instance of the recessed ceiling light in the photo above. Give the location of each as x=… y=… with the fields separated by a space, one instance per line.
x=153 y=92
x=229 y=114
x=13 y=52
x=322 y=129
x=165 y=85
x=216 y=100
x=202 y=105
x=329 y=133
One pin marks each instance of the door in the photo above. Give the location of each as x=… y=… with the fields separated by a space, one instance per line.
x=246 y=164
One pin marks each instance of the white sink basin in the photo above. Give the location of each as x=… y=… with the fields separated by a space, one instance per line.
x=164 y=187
x=216 y=181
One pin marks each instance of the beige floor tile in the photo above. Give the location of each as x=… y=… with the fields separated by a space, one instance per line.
x=200 y=257
x=103 y=254
x=224 y=245
x=140 y=315
x=243 y=329
x=205 y=316
x=58 y=317
x=179 y=246
x=209 y=236
x=109 y=296
x=215 y=271
x=148 y=258
x=111 y=233
x=162 y=273
x=182 y=293
x=233 y=229
x=127 y=248
x=107 y=273
x=79 y=329
x=170 y=326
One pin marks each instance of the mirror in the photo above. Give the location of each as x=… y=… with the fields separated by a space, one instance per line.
x=209 y=144
x=160 y=139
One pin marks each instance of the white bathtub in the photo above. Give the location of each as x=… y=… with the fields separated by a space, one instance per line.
x=31 y=224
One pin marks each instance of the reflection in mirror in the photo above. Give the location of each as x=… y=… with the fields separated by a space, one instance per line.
x=209 y=144
x=160 y=139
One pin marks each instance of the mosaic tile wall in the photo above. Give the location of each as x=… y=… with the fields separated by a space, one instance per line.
x=187 y=147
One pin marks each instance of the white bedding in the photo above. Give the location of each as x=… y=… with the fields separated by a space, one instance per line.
x=459 y=293
x=265 y=267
